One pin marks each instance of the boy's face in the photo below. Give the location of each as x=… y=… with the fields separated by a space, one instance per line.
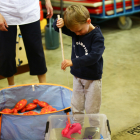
x=82 y=29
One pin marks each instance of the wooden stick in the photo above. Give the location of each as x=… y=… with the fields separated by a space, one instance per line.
x=61 y=40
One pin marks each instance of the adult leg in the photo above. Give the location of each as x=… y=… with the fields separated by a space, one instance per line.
x=42 y=78
x=7 y=53
x=78 y=100
x=33 y=45
x=11 y=80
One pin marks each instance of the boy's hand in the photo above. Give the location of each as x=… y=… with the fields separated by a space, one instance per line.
x=3 y=23
x=60 y=23
x=66 y=63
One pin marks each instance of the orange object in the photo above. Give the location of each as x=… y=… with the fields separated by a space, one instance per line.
x=41 y=11
x=48 y=109
x=20 y=105
x=30 y=113
x=15 y=110
x=16 y=113
x=7 y=110
x=41 y=15
x=45 y=110
x=68 y=117
x=36 y=101
x=28 y=107
x=40 y=5
x=40 y=103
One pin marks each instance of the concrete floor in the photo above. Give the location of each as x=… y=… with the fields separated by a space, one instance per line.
x=121 y=78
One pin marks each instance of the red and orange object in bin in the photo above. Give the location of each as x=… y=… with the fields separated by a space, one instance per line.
x=41 y=11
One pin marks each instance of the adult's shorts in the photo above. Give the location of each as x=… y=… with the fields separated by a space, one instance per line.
x=31 y=35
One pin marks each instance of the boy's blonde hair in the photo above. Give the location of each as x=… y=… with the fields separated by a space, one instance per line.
x=74 y=15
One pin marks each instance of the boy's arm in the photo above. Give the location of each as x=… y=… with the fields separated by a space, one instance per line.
x=97 y=50
x=65 y=30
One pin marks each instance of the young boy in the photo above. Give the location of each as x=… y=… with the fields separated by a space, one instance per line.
x=86 y=60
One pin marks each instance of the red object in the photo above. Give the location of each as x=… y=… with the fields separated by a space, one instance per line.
x=41 y=15
x=30 y=113
x=45 y=110
x=48 y=109
x=15 y=110
x=70 y=129
x=41 y=11
x=99 y=9
x=65 y=130
x=20 y=105
x=28 y=107
x=40 y=103
x=108 y=7
x=7 y=110
x=40 y=5
x=36 y=101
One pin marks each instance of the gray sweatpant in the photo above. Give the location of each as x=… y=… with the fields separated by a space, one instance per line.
x=86 y=97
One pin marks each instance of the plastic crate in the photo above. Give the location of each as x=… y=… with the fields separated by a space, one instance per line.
x=95 y=126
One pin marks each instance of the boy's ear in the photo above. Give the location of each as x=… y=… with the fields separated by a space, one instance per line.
x=88 y=20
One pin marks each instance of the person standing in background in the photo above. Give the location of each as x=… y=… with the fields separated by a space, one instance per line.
x=26 y=14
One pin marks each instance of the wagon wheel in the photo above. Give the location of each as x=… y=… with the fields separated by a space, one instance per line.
x=124 y=23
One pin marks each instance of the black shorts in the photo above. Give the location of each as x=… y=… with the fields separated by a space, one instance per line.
x=31 y=35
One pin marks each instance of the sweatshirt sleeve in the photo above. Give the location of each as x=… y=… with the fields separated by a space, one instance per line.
x=97 y=49
x=65 y=30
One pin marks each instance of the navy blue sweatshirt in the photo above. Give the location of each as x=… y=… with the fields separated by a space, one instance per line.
x=86 y=54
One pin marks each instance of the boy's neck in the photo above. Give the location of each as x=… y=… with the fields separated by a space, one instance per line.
x=91 y=27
